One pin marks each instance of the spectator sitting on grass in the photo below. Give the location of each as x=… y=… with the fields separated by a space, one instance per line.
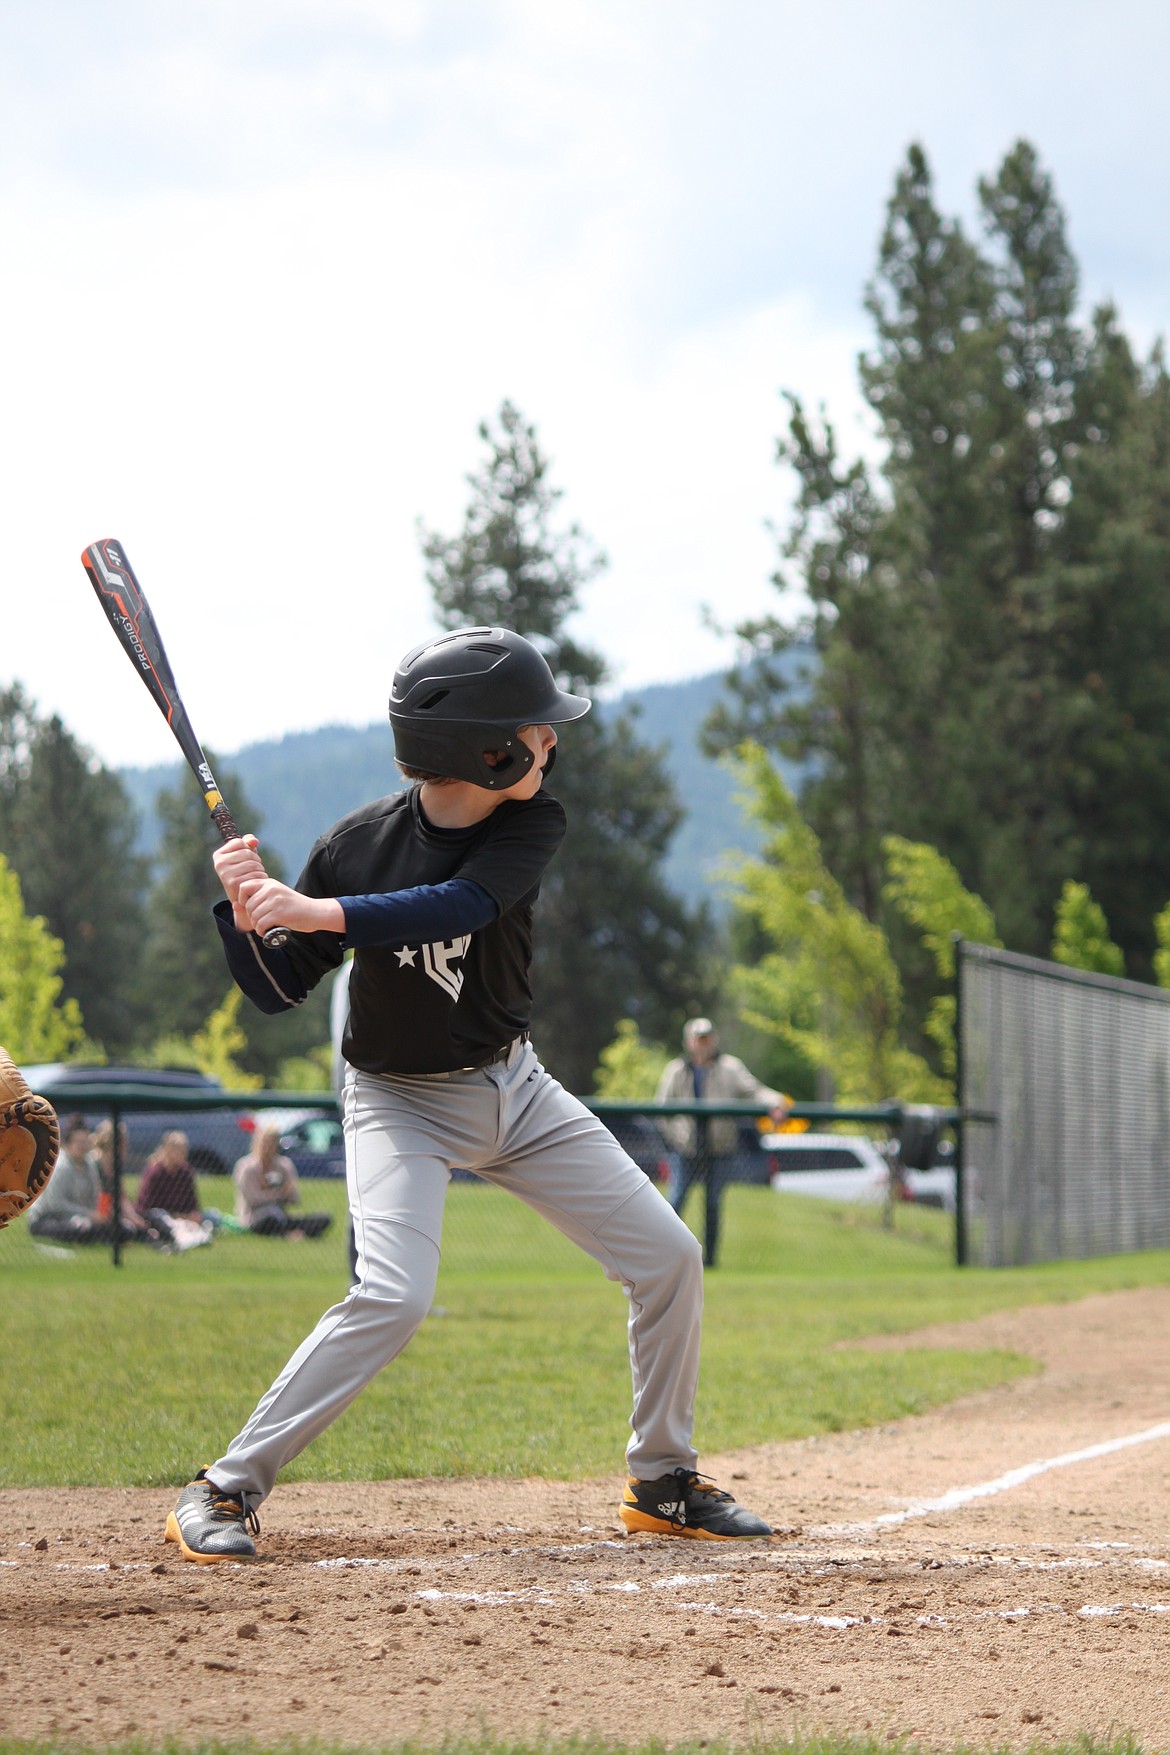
x=67 y=1211
x=167 y=1196
x=132 y=1227
x=267 y=1186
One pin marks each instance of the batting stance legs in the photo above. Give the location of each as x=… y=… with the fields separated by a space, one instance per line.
x=517 y=1127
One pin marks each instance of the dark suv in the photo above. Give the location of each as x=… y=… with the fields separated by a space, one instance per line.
x=218 y=1136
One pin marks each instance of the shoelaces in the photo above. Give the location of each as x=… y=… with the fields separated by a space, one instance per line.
x=233 y=1508
x=691 y=1482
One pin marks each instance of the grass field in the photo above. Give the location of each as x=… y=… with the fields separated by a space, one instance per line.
x=134 y=1376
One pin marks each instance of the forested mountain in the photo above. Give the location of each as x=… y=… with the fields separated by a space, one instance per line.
x=303 y=782
x=299 y=784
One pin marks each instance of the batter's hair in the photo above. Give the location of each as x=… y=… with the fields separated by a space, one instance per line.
x=409 y=773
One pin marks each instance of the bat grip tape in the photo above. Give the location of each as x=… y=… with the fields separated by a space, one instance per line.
x=224 y=821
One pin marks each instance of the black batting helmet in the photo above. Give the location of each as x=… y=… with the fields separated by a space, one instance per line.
x=468 y=693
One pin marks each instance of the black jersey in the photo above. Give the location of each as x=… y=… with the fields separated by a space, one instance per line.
x=418 y=1008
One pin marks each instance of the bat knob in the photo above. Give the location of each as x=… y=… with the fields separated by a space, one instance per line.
x=279 y=935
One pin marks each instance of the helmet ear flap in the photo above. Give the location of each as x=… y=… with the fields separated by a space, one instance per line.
x=509 y=767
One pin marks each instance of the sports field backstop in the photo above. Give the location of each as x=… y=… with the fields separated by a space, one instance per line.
x=1064 y=1080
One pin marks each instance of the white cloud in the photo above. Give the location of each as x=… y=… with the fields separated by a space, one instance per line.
x=261 y=395
x=269 y=266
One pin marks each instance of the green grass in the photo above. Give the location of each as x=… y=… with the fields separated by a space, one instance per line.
x=133 y=1377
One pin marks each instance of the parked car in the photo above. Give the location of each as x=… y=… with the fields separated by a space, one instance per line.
x=934 y=1186
x=314 y=1144
x=217 y=1136
x=833 y=1166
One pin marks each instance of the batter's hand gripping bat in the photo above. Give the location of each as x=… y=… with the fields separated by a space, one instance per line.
x=129 y=614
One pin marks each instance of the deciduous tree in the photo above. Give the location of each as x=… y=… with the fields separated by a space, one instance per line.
x=827 y=983
x=1081 y=937
x=926 y=889
x=37 y=1020
x=628 y=1068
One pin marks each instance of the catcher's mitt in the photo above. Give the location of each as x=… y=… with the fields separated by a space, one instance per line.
x=29 y=1141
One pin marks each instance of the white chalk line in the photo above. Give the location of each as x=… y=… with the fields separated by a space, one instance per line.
x=796 y=1559
x=552 y=1597
x=544 y=1597
x=957 y=1497
x=953 y=1500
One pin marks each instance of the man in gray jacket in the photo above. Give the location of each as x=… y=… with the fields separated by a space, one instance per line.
x=67 y=1211
x=706 y=1145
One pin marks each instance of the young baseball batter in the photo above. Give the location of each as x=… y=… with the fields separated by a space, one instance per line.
x=433 y=888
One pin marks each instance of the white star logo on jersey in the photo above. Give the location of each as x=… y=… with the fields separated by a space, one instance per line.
x=438 y=959
x=405 y=957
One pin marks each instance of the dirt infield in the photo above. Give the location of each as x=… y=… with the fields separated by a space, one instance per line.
x=895 y=1603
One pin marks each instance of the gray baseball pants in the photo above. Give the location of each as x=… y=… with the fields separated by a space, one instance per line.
x=515 y=1126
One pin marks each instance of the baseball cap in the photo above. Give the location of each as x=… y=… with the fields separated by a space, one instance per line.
x=697 y=1027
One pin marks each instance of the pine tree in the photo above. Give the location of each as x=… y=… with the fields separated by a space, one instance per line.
x=508 y=563
x=183 y=971
x=18 y=730
x=988 y=606
x=68 y=829
x=1111 y=631
x=612 y=941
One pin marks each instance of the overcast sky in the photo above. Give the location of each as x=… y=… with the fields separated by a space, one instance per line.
x=268 y=265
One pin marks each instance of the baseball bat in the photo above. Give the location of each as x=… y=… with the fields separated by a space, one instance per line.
x=132 y=619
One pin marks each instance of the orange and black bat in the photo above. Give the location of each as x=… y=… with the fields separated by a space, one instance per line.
x=131 y=618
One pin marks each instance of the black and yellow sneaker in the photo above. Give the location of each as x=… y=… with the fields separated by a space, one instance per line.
x=686 y=1504
x=211 y=1525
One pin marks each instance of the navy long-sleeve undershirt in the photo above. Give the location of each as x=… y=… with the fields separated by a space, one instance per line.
x=421 y=915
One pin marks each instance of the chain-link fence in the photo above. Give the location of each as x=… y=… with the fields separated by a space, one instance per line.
x=754 y=1197
x=1064 y=1151
x=1065 y=1093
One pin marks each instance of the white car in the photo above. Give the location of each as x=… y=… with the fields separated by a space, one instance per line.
x=833 y=1165
x=936 y=1187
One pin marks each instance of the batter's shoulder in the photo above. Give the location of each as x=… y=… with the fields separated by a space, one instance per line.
x=379 y=812
x=543 y=809
x=541 y=819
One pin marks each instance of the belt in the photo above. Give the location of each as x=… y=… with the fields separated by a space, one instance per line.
x=481 y=1066
x=500 y=1054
